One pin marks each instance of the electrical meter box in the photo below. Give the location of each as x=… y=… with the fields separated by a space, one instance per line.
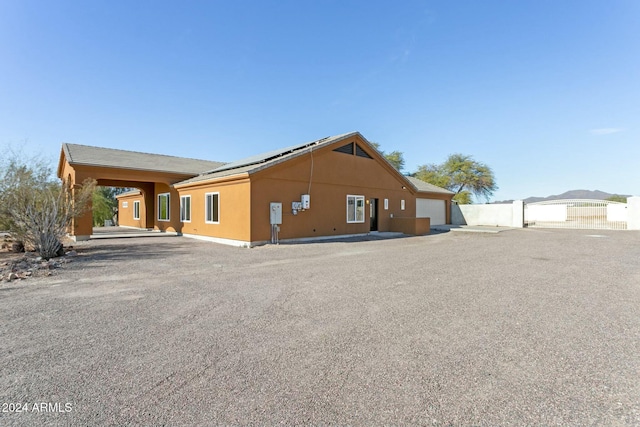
x=275 y=211
x=306 y=201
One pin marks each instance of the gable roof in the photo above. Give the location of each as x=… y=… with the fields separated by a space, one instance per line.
x=133 y=192
x=270 y=155
x=205 y=170
x=424 y=186
x=77 y=154
x=262 y=161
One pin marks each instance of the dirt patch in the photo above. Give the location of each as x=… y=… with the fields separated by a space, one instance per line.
x=23 y=265
x=523 y=327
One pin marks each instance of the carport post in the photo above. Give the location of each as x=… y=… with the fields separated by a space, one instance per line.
x=82 y=227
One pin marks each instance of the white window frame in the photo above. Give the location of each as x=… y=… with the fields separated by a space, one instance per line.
x=356 y=199
x=168 y=196
x=125 y=204
x=183 y=217
x=402 y=205
x=386 y=204
x=206 y=208
x=136 y=209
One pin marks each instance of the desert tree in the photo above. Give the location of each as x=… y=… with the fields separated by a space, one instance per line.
x=35 y=208
x=103 y=204
x=17 y=172
x=463 y=175
x=396 y=158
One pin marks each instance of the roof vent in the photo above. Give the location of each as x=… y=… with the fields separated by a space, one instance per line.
x=346 y=149
x=360 y=152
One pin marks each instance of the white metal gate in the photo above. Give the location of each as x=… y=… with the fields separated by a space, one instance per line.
x=578 y=213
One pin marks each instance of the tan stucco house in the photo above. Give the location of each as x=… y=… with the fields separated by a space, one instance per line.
x=334 y=186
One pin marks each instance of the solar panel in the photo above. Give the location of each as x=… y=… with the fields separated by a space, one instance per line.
x=264 y=157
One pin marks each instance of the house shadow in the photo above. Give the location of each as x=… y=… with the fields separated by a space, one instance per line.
x=119 y=250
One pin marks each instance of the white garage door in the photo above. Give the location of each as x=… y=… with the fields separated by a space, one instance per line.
x=434 y=209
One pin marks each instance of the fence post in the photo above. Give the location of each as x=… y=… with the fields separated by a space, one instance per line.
x=518 y=214
x=633 y=213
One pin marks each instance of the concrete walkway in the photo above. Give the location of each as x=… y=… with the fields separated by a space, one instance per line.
x=115 y=232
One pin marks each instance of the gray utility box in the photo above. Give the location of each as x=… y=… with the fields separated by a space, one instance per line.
x=275 y=213
x=306 y=201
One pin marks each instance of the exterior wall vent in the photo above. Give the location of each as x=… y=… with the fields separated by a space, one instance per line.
x=361 y=153
x=346 y=149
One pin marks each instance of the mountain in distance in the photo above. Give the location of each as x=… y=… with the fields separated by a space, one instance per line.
x=572 y=194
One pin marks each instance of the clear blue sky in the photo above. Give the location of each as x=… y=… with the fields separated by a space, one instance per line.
x=547 y=93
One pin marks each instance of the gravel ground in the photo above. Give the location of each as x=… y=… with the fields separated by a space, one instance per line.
x=525 y=327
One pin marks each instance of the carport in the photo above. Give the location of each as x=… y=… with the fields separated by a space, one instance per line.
x=150 y=173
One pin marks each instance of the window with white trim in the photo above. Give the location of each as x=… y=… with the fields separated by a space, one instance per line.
x=355 y=209
x=125 y=204
x=185 y=208
x=402 y=204
x=386 y=204
x=163 y=207
x=212 y=208
x=136 y=209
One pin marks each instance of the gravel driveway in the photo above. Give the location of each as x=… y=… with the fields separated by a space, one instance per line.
x=524 y=327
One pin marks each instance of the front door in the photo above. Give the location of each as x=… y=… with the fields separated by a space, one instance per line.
x=373 y=214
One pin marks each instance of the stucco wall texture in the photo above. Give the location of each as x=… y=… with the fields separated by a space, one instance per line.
x=326 y=175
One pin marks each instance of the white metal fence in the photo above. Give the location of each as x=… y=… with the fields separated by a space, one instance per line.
x=585 y=214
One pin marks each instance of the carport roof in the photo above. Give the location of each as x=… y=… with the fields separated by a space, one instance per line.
x=77 y=154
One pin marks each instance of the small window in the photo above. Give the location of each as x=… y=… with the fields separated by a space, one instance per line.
x=212 y=208
x=355 y=209
x=125 y=204
x=185 y=208
x=136 y=209
x=402 y=204
x=386 y=204
x=163 y=207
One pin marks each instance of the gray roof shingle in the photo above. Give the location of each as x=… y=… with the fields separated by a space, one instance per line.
x=204 y=170
x=110 y=157
x=421 y=185
x=265 y=160
x=262 y=161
